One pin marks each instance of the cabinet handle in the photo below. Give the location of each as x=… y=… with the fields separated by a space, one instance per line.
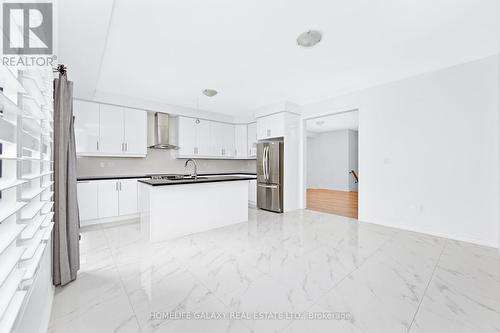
x=116 y=186
x=126 y=149
x=268 y=132
x=97 y=145
x=122 y=146
x=196 y=150
x=120 y=186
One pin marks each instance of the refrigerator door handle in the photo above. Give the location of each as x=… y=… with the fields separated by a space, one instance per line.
x=264 y=162
x=268 y=186
x=266 y=158
x=268 y=164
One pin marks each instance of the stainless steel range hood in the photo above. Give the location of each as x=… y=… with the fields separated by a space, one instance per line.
x=161 y=136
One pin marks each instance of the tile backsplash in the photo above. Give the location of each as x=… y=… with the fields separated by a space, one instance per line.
x=156 y=161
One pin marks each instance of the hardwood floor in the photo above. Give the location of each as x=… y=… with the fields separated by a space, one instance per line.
x=333 y=202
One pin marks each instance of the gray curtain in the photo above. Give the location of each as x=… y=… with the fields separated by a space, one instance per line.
x=66 y=256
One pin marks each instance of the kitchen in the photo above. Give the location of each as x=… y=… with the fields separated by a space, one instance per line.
x=120 y=148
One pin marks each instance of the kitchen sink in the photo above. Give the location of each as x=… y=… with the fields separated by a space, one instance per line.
x=191 y=177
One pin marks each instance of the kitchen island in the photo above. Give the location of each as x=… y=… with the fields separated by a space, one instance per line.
x=174 y=208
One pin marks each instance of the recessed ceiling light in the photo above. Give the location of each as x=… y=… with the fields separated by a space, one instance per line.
x=210 y=92
x=320 y=122
x=309 y=38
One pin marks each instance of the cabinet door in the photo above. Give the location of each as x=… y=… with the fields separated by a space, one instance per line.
x=135 y=131
x=240 y=140
x=252 y=140
x=275 y=125
x=252 y=192
x=228 y=140
x=108 y=198
x=262 y=128
x=111 y=130
x=127 y=196
x=186 y=135
x=86 y=127
x=203 y=130
x=217 y=139
x=272 y=126
x=87 y=202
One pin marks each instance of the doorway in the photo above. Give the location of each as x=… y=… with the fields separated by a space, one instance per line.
x=332 y=175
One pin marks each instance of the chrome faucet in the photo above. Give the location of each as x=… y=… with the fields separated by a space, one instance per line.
x=195 y=171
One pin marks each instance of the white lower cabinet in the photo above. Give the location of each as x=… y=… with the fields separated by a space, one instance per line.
x=87 y=201
x=106 y=200
x=127 y=197
x=252 y=193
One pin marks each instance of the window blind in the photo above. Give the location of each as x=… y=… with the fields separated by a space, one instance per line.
x=26 y=184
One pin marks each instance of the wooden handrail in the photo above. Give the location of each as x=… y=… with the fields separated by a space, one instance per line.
x=356 y=179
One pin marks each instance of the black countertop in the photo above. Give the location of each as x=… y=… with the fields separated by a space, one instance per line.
x=162 y=182
x=111 y=177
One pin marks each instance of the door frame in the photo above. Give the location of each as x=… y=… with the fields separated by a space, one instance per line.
x=303 y=152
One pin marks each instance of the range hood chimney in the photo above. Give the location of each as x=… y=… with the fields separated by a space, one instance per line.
x=161 y=132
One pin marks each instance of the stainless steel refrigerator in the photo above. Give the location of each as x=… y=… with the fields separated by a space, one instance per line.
x=270 y=175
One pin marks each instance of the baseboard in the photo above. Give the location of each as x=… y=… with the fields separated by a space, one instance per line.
x=460 y=238
x=36 y=311
x=89 y=223
x=110 y=224
x=44 y=325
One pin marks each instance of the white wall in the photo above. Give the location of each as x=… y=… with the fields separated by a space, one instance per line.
x=328 y=160
x=35 y=315
x=429 y=151
x=291 y=171
x=353 y=159
x=499 y=151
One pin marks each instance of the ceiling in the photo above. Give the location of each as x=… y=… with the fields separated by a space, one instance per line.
x=335 y=122
x=169 y=51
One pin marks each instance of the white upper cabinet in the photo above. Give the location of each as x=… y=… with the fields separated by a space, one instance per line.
x=109 y=130
x=202 y=133
x=252 y=140
x=193 y=137
x=227 y=140
x=217 y=139
x=272 y=126
x=186 y=131
x=86 y=127
x=199 y=138
x=240 y=141
x=135 y=143
x=222 y=139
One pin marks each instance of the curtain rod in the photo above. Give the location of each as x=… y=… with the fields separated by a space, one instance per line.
x=61 y=68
